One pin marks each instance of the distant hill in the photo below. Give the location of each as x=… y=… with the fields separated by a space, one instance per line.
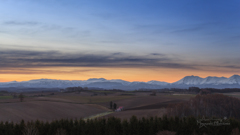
x=209 y=105
x=188 y=81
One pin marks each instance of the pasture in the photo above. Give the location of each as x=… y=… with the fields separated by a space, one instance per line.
x=48 y=106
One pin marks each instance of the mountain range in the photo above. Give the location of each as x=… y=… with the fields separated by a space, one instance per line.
x=188 y=81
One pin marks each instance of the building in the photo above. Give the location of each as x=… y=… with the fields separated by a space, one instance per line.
x=119 y=109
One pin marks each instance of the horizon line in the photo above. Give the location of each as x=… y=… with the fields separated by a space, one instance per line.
x=117 y=79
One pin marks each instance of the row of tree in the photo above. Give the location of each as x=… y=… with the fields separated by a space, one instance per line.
x=113 y=105
x=75 y=89
x=209 y=105
x=20 y=96
x=116 y=126
x=213 y=90
x=191 y=90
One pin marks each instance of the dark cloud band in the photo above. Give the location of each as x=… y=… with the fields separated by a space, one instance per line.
x=31 y=59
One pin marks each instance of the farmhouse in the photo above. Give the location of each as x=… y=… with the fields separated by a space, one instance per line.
x=119 y=109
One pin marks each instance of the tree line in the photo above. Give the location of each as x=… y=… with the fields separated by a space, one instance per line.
x=209 y=105
x=116 y=126
x=213 y=90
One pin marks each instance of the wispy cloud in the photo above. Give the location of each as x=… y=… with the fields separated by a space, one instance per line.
x=24 y=59
x=195 y=27
x=192 y=29
x=157 y=54
x=32 y=28
x=43 y=71
x=27 y=23
x=36 y=59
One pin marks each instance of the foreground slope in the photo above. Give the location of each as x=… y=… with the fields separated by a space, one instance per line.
x=46 y=111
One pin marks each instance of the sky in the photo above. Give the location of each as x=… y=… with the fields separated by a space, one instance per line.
x=133 y=40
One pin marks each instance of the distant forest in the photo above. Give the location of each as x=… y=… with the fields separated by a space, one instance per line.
x=190 y=89
x=116 y=126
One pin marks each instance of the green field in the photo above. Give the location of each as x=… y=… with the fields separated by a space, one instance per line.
x=6 y=97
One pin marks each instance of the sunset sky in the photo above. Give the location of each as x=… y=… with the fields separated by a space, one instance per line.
x=133 y=40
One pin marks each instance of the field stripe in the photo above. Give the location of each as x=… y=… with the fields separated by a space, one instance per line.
x=97 y=115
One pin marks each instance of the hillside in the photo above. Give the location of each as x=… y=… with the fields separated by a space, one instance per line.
x=210 y=105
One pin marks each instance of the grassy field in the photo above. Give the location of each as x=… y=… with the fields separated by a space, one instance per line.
x=6 y=97
x=47 y=106
x=46 y=111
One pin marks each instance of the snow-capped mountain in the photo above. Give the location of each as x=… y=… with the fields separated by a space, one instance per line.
x=42 y=83
x=195 y=80
x=235 y=79
x=213 y=80
x=92 y=82
x=157 y=83
x=188 y=81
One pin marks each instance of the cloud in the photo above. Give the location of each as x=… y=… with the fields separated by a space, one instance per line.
x=27 y=23
x=31 y=62
x=231 y=66
x=42 y=71
x=26 y=28
x=192 y=29
x=38 y=59
x=157 y=54
x=195 y=27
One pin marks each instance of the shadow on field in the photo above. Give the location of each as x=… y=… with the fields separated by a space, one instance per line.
x=157 y=105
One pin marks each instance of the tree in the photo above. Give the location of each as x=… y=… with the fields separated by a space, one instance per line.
x=114 y=106
x=204 y=92
x=194 y=89
x=21 y=97
x=111 y=105
x=61 y=132
x=30 y=130
x=153 y=93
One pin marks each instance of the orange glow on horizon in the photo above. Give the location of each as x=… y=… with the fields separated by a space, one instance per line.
x=127 y=74
x=1 y=80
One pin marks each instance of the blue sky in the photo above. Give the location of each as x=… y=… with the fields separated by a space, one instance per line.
x=203 y=35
